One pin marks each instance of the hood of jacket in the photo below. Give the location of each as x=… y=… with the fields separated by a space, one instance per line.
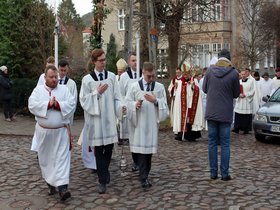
x=222 y=67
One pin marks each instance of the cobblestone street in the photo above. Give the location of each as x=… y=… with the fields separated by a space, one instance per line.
x=180 y=177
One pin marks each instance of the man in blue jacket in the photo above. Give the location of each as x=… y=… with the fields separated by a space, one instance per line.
x=221 y=84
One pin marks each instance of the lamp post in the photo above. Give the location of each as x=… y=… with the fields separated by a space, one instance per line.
x=137 y=36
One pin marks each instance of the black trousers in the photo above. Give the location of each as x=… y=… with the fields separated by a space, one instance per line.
x=145 y=163
x=135 y=158
x=7 y=105
x=103 y=155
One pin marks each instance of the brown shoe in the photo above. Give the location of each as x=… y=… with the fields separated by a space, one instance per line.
x=64 y=195
x=52 y=190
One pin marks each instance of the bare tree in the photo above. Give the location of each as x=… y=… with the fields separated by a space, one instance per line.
x=171 y=13
x=271 y=18
x=255 y=40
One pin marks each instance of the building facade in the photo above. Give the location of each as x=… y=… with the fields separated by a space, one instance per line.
x=203 y=35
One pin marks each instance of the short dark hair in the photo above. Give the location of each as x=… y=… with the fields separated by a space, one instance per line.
x=96 y=53
x=224 y=53
x=63 y=63
x=132 y=53
x=52 y=67
x=148 y=66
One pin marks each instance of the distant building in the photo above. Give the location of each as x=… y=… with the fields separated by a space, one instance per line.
x=220 y=29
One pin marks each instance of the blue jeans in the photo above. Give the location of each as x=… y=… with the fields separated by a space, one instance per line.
x=218 y=132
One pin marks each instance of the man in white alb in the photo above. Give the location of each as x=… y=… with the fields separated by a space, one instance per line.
x=147 y=106
x=53 y=105
x=127 y=79
x=101 y=100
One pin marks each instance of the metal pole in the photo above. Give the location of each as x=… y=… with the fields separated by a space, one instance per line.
x=154 y=43
x=56 y=31
x=130 y=28
x=149 y=32
x=137 y=36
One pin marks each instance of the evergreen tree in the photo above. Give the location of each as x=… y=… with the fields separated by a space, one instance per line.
x=112 y=54
x=71 y=40
x=25 y=36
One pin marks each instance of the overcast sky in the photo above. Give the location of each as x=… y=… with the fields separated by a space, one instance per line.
x=82 y=6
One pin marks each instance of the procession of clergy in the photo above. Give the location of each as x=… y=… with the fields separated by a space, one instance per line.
x=132 y=99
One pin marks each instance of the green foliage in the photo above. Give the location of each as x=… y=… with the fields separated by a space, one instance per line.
x=22 y=89
x=112 y=54
x=25 y=36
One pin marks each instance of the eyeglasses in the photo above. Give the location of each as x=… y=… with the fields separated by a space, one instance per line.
x=150 y=76
x=102 y=60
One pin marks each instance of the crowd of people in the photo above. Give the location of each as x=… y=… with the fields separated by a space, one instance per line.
x=128 y=107
x=133 y=100
x=222 y=100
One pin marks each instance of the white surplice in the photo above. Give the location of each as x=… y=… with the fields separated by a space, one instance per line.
x=256 y=96
x=175 y=110
x=88 y=155
x=100 y=111
x=246 y=105
x=71 y=85
x=266 y=87
x=51 y=132
x=125 y=83
x=73 y=90
x=41 y=80
x=199 y=121
x=143 y=137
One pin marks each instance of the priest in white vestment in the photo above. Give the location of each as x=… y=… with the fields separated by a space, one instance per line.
x=101 y=100
x=147 y=107
x=244 y=105
x=63 y=79
x=257 y=94
x=127 y=79
x=174 y=90
x=53 y=105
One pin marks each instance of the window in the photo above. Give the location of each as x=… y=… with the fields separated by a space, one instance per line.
x=194 y=14
x=121 y=19
x=200 y=55
x=227 y=46
x=217 y=11
x=226 y=10
x=216 y=47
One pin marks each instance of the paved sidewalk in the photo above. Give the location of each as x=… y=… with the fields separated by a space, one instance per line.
x=25 y=125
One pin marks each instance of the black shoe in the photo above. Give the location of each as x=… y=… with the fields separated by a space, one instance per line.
x=121 y=141
x=235 y=131
x=135 y=167
x=102 y=188
x=214 y=177
x=108 y=179
x=64 y=195
x=146 y=183
x=179 y=138
x=52 y=190
x=93 y=171
x=226 y=178
x=246 y=132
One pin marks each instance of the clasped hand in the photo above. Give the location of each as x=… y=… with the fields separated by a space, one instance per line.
x=102 y=88
x=53 y=102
